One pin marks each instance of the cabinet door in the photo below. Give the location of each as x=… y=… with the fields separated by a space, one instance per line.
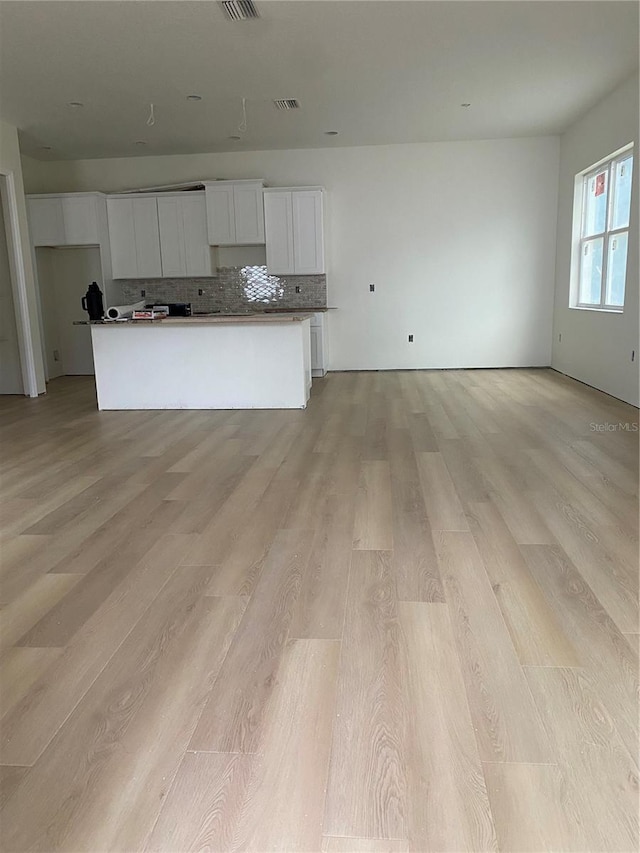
x=249 y=214
x=221 y=215
x=147 y=238
x=279 y=232
x=308 y=239
x=316 y=348
x=122 y=238
x=172 y=245
x=45 y=221
x=197 y=251
x=80 y=221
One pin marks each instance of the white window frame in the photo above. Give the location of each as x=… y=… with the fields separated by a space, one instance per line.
x=580 y=209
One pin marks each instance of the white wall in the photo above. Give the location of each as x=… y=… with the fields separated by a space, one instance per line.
x=459 y=239
x=44 y=259
x=596 y=346
x=10 y=164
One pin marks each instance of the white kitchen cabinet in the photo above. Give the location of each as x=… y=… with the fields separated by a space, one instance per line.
x=235 y=214
x=308 y=233
x=278 y=215
x=46 y=225
x=294 y=231
x=70 y=219
x=159 y=236
x=196 y=241
x=318 y=345
x=184 y=246
x=172 y=249
x=80 y=217
x=134 y=237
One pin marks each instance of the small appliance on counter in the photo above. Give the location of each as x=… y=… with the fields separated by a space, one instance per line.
x=171 y=309
x=92 y=303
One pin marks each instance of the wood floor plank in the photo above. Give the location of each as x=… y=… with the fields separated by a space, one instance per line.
x=588 y=749
x=10 y=778
x=31 y=725
x=336 y=844
x=520 y=516
x=27 y=515
x=404 y=761
x=373 y=525
x=319 y=609
x=611 y=661
x=213 y=544
x=367 y=784
x=447 y=804
x=20 y=668
x=34 y=604
x=616 y=589
x=414 y=561
x=120 y=812
x=113 y=531
x=506 y=721
x=535 y=630
x=532 y=809
x=272 y=802
x=243 y=558
x=89 y=741
x=204 y=497
x=232 y=719
x=60 y=623
x=205 y=805
x=444 y=510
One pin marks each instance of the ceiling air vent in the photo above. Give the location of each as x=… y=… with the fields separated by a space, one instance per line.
x=239 y=10
x=287 y=104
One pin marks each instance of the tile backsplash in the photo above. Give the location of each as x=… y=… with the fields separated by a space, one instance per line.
x=233 y=289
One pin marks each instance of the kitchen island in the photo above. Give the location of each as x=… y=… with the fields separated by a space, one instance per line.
x=255 y=361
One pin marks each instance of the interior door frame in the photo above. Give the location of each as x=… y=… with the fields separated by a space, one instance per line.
x=18 y=284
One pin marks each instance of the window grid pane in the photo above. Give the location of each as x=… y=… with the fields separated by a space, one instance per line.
x=621 y=203
x=595 y=203
x=616 y=269
x=591 y=272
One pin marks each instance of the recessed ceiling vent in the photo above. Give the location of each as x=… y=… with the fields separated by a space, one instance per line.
x=287 y=104
x=239 y=10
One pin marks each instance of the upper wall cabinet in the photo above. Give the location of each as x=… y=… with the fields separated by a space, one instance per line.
x=184 y=245
x=163 y=235
x=134 y=236
x=294 y=230
x=65 y=220
x=235 y=213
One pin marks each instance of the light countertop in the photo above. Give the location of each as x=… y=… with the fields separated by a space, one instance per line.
x=209 y=320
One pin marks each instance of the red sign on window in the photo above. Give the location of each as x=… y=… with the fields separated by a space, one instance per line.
x=600 y=183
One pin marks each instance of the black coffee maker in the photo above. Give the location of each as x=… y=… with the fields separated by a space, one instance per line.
x=92 y=303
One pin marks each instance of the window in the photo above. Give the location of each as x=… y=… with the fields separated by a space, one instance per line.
x=604 y=233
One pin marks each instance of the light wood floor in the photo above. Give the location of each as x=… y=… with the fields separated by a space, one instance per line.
x=405 y=619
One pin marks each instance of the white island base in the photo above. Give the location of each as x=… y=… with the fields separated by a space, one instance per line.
x=221 y=363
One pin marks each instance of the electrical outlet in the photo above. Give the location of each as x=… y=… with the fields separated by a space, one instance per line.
x=297 y=288
x=200 y=292
x=143 y=293
x=372 y=288
x=56 y=355
x=410 y=339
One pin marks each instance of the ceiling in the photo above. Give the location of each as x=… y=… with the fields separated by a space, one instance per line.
x=376 y=72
